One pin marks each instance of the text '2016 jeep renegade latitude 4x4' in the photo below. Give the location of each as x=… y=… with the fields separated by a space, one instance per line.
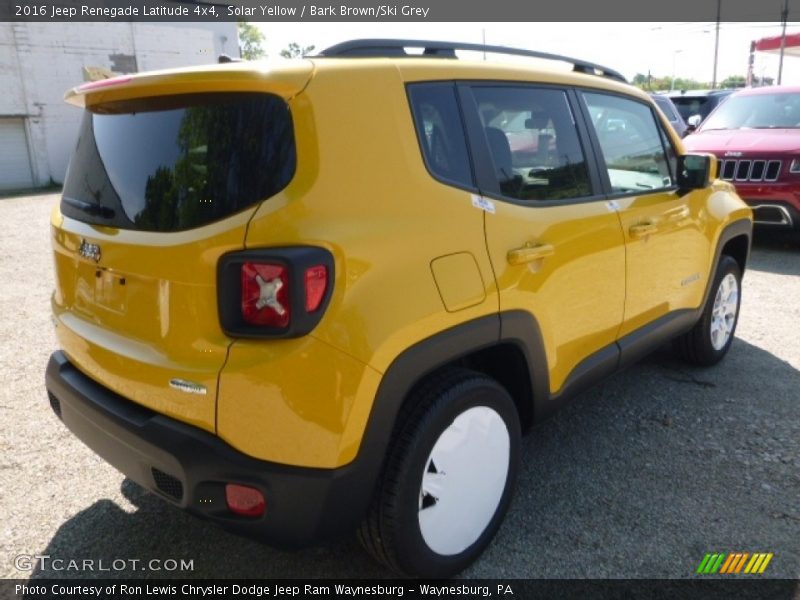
x=329 y=295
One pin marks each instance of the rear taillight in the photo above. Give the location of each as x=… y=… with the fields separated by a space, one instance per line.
x=274 y=292
x=244 y=500
x=316 y=284
x=265 y=295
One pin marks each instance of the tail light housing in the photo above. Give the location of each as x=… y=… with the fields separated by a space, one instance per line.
x=274 y=292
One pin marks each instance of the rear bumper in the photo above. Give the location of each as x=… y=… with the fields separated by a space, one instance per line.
x=189 y=467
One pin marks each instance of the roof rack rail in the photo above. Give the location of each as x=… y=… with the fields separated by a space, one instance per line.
x=373 y=48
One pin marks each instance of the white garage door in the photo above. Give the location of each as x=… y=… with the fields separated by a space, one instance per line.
x=15 y=165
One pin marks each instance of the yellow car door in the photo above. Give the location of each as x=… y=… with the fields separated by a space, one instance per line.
x=667 y=249
x=555 y=244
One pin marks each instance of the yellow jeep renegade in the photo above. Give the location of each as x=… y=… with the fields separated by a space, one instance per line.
x=329 y=295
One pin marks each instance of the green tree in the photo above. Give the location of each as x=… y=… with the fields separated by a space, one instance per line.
x=230 y=154
x=294 y=50
x=250 y=38
x=691 y=84
x=734 y=81
x=660 y=84
x=643 y=82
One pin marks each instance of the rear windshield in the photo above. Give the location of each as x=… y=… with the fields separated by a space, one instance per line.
x=178 y=162
x=696 y=105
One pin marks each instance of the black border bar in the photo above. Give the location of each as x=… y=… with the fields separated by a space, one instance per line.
x=391 y=11
x=514 y=589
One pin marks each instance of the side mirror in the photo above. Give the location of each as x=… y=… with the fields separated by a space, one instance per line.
x=696 y=171
x=694 y=121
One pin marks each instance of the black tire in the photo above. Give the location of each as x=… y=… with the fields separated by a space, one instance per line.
x=697 y=346
x=392 y=532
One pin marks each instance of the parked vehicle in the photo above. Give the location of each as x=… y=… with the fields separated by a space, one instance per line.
x=695 y=105
x=756 y=138
x=331 y=294
x=673 y=116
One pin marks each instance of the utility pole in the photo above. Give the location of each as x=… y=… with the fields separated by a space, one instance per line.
x=784 y=18
x=672 y=81
x=716 y=46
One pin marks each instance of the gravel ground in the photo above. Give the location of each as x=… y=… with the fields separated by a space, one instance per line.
x=639 y=479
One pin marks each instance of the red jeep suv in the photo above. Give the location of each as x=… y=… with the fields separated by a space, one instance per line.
x=755 y=135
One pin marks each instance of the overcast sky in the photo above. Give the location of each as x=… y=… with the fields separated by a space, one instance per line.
x=627 y=47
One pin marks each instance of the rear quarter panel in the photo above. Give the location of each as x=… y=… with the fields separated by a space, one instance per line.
x=363 y=192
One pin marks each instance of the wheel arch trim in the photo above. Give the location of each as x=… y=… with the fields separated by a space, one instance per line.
x=742 y=228
x=517 y=328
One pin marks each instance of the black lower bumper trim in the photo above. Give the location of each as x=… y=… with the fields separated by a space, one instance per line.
x=189 y=467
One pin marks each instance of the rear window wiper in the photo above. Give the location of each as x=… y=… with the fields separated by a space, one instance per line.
x=95 y=210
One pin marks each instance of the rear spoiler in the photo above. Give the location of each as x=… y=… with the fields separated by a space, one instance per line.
x=283 y=79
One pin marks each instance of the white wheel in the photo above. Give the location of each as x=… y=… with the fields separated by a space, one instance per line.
x=449 y=476
x=726 y=307
x=463 y=480
x=708 y=341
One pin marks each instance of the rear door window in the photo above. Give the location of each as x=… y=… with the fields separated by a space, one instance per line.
x=533 y=142
x=178 y=162
x=637 y=154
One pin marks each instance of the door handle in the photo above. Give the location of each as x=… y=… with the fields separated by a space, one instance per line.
x=682 y=213
x=529 y=253
x=642 y=229
x=681 y=216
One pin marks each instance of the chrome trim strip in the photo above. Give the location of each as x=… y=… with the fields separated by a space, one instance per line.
x=190 y=387
x=786 y=217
